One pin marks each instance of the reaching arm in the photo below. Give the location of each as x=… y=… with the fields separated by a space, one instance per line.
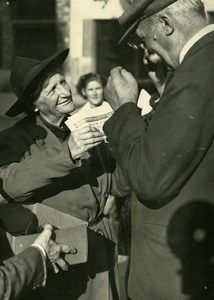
x=27 y=270
x=28 y=164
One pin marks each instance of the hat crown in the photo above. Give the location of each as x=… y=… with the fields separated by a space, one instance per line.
x=139 y=10
x=142 y=9
x=25 y=75
x=19 y=73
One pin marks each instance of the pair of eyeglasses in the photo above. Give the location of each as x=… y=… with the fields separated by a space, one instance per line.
x=135 y=42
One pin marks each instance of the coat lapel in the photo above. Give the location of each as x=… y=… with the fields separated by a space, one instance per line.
x=205 y=40
x=40 y=133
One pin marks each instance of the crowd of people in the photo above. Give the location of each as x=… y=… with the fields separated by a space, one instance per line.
x=161 y=162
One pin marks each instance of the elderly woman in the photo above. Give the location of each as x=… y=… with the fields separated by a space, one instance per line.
x=42 y=161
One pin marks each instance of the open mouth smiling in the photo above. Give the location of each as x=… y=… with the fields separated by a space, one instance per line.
x=66 y=101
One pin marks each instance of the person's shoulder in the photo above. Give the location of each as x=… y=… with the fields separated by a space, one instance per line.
x=15 y=130
x=8 y=125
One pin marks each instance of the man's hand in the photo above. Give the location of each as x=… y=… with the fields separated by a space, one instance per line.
x=52 y=249
x=83 y=139
x=156 y=69
x=121 y=88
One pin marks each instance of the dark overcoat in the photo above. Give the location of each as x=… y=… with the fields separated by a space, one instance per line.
x=169 y=164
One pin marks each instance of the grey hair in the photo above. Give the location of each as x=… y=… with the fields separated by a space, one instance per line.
x=184 y=9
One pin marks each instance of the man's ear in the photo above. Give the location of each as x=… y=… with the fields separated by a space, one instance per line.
x=167 y=25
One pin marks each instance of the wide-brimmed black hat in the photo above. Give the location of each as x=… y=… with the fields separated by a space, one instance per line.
x=24 y=77
x=137 y=11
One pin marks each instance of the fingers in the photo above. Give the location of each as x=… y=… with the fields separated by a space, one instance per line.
x=119 y=74
x=55 y=259
x=65 y=249
x=55 y=268
x=115 y=75
x=127 y=75
x=44 y=237
x=88 y=132
x=62 y=264
x=88 y=136
x=87 y=129
x=92 y=135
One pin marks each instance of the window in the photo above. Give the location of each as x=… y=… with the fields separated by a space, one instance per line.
x=34 y=27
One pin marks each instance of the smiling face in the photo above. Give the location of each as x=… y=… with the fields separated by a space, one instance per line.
x=55 y=100
x=94 y=93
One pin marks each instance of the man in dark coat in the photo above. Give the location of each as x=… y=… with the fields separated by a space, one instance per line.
x=27 y=270
x=41 y=161
x=168 y=161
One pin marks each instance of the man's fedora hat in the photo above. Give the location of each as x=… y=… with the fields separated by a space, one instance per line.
x=140 y=10
x=24 y=77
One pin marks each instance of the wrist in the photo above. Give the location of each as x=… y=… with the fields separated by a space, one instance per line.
x=39 y=247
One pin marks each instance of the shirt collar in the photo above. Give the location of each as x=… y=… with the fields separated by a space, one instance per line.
x=194 y=39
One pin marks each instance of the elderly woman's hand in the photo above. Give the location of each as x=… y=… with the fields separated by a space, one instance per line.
x=83 y=139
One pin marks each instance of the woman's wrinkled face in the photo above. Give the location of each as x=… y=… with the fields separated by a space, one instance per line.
x=94 y=93
x=55 y=99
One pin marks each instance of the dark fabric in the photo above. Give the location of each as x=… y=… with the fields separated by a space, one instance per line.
x=21 y=273
x=124 y=231
x=37 y=167
x=168 y=165
x=17 y=220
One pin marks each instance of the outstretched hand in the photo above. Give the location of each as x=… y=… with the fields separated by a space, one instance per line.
x=52 y=249
x=121 y=88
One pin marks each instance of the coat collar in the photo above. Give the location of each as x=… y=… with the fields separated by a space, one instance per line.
x=38 y=131
x=200 y=43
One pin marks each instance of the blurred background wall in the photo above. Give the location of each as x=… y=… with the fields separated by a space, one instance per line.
x=38 y=28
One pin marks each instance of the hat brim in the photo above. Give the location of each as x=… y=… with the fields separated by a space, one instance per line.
x=125 y=38
x=138 y=11
x=55 y=59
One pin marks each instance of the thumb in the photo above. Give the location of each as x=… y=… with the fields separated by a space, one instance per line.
x=127 y=75
x=45 y=236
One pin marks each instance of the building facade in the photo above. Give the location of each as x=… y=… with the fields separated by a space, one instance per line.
x=38 y=28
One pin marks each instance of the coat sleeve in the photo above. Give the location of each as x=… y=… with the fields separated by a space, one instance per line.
x=157 y=160
x=21 y=273
x=119 y=187
x=24 y=170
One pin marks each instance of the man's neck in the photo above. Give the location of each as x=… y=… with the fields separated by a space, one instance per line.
x=200 y=34
x=182 y=39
